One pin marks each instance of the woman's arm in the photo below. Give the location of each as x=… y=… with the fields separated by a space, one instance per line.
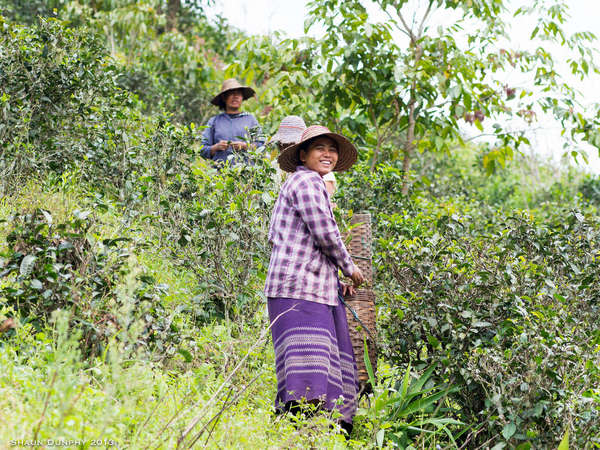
x=207 y=138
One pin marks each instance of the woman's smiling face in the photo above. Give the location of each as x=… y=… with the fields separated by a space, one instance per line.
x=321 y=155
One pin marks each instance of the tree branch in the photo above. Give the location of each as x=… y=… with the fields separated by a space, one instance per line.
x=395 y=23
x=409 y=31
x=424 y=18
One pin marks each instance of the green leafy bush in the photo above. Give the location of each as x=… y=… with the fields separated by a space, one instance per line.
x=59 y=104
x=510 y=309
x=590 y=190
x=408 y=411
x=220 y=234
x=57 y=266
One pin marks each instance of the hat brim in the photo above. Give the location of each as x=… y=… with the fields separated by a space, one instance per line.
x=289 y=158
x=218 y=100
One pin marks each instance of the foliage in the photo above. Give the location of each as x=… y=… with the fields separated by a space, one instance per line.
x=27 y=11
x=168 y=71
x=406 y=410
x=285 y=71
x=221 y=234
x=144 y=318
x=60 y=106
x=499 y=303
x=51 y=393
x=590 y=190
x=411 y=97
x=59 y=266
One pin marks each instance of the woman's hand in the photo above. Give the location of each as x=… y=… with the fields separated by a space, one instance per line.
x=357 y=277
x=347 y=289
x=219 y=147
x=239 y=145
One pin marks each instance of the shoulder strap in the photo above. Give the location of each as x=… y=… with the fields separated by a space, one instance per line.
x=212 y=131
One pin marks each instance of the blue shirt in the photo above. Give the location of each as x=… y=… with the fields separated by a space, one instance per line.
x=229 y=127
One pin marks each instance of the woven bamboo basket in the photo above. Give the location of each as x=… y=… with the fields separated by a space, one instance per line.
x=360 y=245
x=363 y=302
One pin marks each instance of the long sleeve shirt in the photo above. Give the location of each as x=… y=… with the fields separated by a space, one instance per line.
x=307 y=246
x=228 y=127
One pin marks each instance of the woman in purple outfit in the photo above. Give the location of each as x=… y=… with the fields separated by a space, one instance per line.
x=313 y=352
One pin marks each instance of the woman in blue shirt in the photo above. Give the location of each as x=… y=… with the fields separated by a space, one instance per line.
x=226 y=132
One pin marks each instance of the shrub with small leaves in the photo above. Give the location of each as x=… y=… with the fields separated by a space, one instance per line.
x=510 y=309
x=220 y=233
x=52 y=266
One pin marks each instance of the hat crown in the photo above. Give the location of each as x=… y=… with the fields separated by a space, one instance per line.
x=230 y=83
x=290 y=130
x=312 y=131
x=293 y=122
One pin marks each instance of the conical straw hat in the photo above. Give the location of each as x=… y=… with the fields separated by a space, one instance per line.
x=229 y=85
x=289 y=158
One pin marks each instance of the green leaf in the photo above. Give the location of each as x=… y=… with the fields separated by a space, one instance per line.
x=27 y=265
x=509 y=430
x=36 y=284
x=564 y=444
x=185 y=353
x=406 y=381
x=420 y=405
x=467 y=100
x=418 y=385
x=534 y=32
x=368 y=364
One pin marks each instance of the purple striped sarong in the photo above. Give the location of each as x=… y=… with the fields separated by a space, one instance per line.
x=314 y=359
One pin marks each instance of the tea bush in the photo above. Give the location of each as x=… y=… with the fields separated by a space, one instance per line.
x=509 y=308
x=62 y=109
x=59 y=104
x=59 y=266
x=220 y=234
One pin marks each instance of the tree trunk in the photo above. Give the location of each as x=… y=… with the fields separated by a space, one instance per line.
x=173 y=8
x=409 y=146
x=378 y=146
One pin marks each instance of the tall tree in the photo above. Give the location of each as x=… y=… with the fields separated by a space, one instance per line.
x=173 y=7
x=415 y=86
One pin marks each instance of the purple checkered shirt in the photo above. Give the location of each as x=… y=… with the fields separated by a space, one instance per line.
x=307 y=246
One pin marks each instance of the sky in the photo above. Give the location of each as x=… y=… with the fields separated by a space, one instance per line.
x=266 y=16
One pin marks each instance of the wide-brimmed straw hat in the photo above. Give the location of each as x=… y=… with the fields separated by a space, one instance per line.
x=289 y=131
x=229 y=85
x=289 y=158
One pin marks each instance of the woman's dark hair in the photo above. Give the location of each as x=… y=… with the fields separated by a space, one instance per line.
x=303 y=146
